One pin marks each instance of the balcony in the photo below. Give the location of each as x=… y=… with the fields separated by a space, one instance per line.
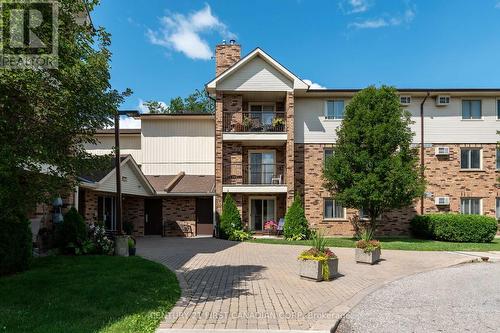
x=254 y=178
x=254 y=126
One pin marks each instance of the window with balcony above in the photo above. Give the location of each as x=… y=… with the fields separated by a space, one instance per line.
x=335 y=109
x=328 y=152
x=262 y=114
x=471 y=109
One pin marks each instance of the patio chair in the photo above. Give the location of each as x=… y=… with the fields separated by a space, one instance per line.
x=277 y=179
x=281 y=225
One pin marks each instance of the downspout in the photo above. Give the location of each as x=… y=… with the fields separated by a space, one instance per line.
x=422 y=155
x=215 y=232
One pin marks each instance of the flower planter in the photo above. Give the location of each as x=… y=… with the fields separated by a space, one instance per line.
x=312 y=269
x=367 y=258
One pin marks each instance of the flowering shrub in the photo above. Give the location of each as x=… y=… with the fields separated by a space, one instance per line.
x=270 y=225
x=103 y=245
x=368 y=245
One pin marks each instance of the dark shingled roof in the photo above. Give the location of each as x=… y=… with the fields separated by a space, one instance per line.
x=122 y=131
x=95 y=176
x=186 y=183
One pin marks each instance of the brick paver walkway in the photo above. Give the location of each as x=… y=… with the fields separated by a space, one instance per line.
x=229 y=285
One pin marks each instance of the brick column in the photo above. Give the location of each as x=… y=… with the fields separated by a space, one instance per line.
x=218 y=151
x=290 y=148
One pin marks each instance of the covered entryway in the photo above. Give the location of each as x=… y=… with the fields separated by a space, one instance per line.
x=153 y=216
x=204 y=216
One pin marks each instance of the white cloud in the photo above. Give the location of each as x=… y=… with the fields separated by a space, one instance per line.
x=406 y=18
x=358 y=6
x=129 y=122
x=184 y=33
x=144 y=109
x=313 y=85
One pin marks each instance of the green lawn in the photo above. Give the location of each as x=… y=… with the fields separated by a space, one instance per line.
x=399 y=243
x=87 y=294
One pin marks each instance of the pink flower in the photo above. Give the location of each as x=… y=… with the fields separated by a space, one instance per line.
x=270 y=225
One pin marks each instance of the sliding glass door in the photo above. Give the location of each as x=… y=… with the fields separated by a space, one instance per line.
x=262 y=167
x=261 y=211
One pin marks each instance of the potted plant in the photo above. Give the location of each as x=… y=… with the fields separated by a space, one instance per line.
x=131 y=247
x=246 y=123
x=367 y=249
x=278 y=123
x=270 y=226
x=319 y=262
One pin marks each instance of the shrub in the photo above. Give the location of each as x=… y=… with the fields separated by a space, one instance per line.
x=15 y=245
x=128 y=227
x=240 y=235
x=103 y=245
x=296 y=226
x=230 y=219
x=71 y=233
x=455 y=227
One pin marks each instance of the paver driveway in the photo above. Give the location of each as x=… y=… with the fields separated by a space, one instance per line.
x=230 y=285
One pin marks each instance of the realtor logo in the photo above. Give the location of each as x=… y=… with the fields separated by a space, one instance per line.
x=28 y=34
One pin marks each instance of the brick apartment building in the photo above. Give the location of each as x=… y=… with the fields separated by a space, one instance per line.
x=268 y=141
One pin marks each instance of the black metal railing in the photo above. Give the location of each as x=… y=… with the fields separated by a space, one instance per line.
x=254 y=174
x=254 y=121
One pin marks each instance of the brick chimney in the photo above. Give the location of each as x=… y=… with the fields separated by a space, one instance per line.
x=226 y=55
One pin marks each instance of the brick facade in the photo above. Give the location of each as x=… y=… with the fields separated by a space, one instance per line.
x=179 y=212
x=443 y=175
x=133 y=211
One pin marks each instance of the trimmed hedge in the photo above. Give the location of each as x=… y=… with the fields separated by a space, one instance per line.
x=296 y=226
x=455 y=227
x=72 y=232
x=15 y=246
x=230 y=219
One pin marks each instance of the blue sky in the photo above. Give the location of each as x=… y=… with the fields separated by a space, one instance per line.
x=163 y=48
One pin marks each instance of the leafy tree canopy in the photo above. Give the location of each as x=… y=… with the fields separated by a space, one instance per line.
x=196 y=102
x=47 y=115
x=374 y=167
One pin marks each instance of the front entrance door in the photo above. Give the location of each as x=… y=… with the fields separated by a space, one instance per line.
x=204 y=216
x=153 y=216
x=261 y=211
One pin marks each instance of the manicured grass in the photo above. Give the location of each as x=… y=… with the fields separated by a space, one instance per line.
x=87 y=294
x=399 y=243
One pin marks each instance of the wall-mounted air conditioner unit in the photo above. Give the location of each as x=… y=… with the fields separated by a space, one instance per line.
x=442 y=100
x=442 y=201
x=405 y=100
x=442 y=151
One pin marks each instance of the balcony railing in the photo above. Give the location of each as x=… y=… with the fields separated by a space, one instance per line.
x=254 y=121
x=253 y=174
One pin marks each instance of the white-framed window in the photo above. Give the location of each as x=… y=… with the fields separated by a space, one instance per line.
x=327 y=152
x=498 y=159
x=497 y=209
x=471 y=109
x=470 y=158
x=405 y=100
x=332 y=210
x=334 y=109
x=106 y=212
x=498 y=109
x=471 y=206
x=262 y=113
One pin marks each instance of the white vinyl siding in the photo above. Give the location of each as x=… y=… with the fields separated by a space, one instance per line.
x=470 y=158
x=334 y=109
x=471 y=206
x=332 y=210
x=257 y=75
x=131 y=182
x=443 y=125
x=129 y=144
x=172 y=146
x=471 y=109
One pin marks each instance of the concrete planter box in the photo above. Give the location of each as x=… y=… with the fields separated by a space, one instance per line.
x=367 y=258
x=312 y=269
x=121 y=246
